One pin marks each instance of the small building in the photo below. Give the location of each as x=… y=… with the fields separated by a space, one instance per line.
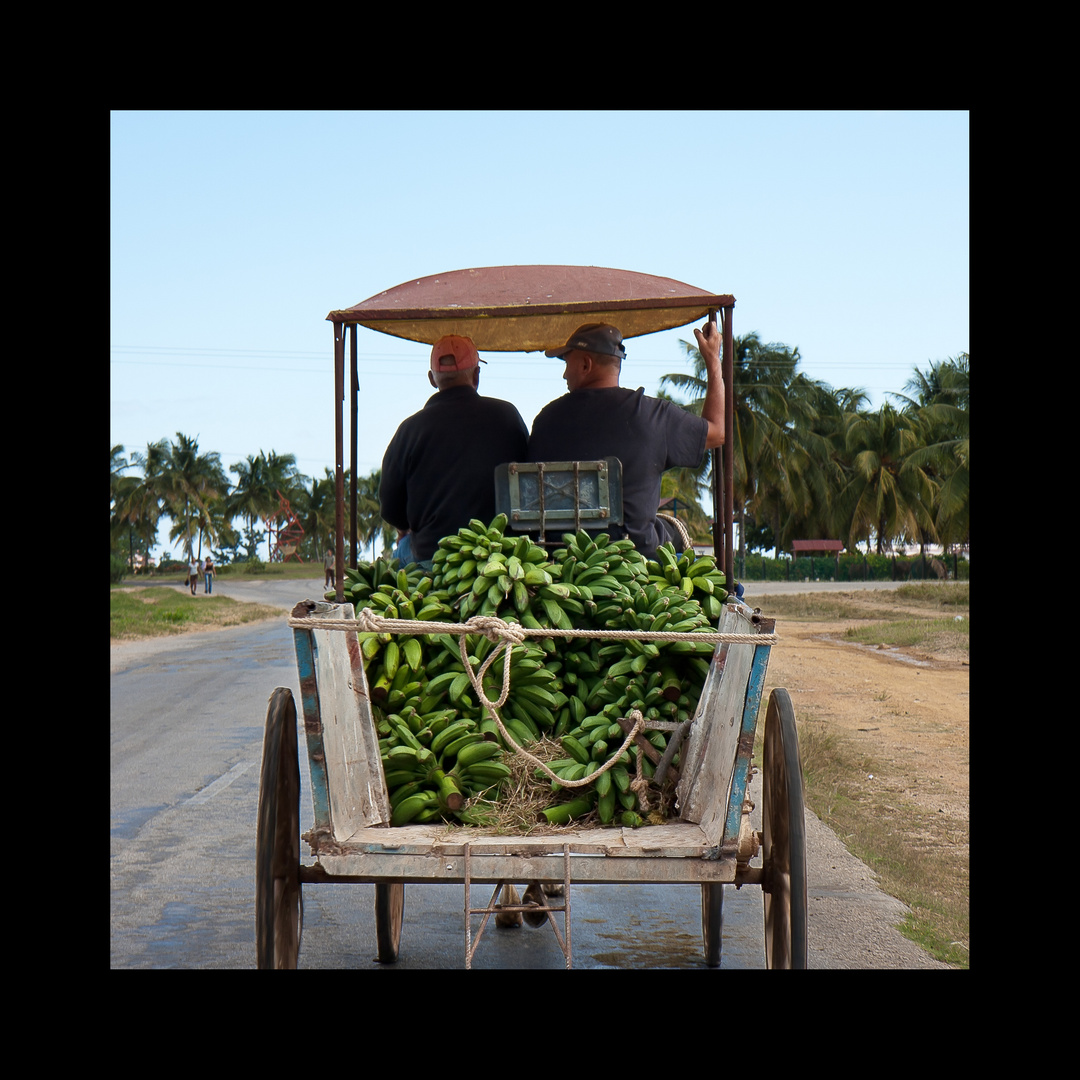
x=816 y=547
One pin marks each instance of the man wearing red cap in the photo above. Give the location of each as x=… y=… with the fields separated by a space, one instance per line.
x=598 y=418
x=439 y=469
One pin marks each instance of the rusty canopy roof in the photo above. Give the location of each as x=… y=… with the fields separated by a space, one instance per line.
x=528 y=308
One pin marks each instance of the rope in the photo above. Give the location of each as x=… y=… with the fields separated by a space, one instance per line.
x=496 y=630
x=505 y=636
x=681 y=529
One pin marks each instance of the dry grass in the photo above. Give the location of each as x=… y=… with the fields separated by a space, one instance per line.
x=523 y=798
x=870 y=778
x=948 y=598
x=920 y=856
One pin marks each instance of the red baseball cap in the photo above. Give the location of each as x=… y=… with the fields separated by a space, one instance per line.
x=461 y=349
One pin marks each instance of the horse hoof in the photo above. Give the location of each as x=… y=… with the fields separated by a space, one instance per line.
x=534 y=897
x=508 y=919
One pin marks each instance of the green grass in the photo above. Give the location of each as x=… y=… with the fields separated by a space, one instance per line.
x=240 y=571
x=154 y=612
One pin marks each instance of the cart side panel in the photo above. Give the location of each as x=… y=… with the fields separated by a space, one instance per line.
x=740 y=781
x=712 y=748
x=352 y=765
x=309 y=700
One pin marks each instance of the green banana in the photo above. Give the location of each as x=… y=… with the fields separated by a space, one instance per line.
x=481 y=751
x=409 y=808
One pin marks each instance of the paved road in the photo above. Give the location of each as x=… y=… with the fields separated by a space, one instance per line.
x=186 y=736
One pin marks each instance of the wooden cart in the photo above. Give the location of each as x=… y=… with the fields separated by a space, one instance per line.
x=711 y=843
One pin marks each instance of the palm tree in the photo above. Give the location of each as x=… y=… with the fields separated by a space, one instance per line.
x=316 y=509
x=887 y=494
x=248 y=496
x=765 y=458
x=945 y=383
x=191 y=481
x=807 y=507
x=117 y=464
x=140 y=501
x=263 y=479
x=218 y=527
x=941 y=403
x=681 y=485
x=369 y=522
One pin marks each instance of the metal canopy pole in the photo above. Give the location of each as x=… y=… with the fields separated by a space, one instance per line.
x=718 y=484
x=727 y=366
x=339 y=472
x=355 y=399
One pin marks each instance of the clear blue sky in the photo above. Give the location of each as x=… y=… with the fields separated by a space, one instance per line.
x=235 y=233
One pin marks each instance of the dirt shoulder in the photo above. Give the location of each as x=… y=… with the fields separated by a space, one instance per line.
x=902 y=716
x=908 y=708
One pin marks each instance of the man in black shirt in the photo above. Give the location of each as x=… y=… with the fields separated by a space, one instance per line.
x=439 y=469
x=598 y=418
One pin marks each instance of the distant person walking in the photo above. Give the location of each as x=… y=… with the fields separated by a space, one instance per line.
x=208 y=575
x=193 y=574
x=329 y=566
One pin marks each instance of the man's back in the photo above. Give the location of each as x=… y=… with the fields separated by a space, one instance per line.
x=439 y=469
x=646 y=434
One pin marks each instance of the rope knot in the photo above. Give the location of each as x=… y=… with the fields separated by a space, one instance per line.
x=369 y=621
x=494 y=629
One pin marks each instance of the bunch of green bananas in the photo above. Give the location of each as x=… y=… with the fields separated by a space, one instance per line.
x=431 y=770
x=485 y=570
x=698 y=577
x=361 y=581
x=607 y=680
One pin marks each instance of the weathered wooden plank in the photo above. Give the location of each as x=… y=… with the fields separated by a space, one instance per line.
x=674 y=840
x=450 y=869
x=357 y=790
x=714 y=736
x=693 y=750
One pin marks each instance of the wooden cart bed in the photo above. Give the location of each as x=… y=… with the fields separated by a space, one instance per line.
x=350 y=841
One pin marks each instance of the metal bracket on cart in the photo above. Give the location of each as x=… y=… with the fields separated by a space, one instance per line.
x=493 y=908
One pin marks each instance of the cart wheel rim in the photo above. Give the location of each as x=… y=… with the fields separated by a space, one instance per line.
x=278 y=892
x=389 y=914
x=784 y=839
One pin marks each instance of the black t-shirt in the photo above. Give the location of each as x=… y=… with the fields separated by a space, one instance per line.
x=439 y=469
x=646 y=434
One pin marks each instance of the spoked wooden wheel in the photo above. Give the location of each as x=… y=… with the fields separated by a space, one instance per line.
x=784 y=839
x=712 y=921
x=389 y=911
x=279 y=903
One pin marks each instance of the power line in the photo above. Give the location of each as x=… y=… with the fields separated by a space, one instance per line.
x=880 y=367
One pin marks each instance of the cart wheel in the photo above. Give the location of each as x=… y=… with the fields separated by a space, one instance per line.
x=784 y=839
x=712 y=921
x=279 y=901
x=389 y=909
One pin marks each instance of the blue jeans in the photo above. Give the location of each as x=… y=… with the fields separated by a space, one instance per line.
x=404 y=550
x=209 y=578
x=404 y=553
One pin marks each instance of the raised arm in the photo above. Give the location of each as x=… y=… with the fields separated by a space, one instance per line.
x=708 y=339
